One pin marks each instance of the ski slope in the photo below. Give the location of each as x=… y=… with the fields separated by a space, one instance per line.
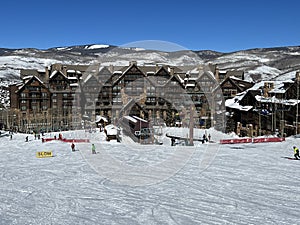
x=243 y=184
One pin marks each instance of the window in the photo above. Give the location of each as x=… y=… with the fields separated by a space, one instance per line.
x=23 y=108
x=117 y=100
x=23 y=95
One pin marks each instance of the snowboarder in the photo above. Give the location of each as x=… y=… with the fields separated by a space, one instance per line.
x=296 y=152
x=93 y=149
x=26 y=139
x=73 y=147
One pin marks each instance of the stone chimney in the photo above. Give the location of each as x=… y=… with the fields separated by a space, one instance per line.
x=111 y=68
x=268 y=86
x=156 y=67
x=46 y=74
x=171 y=70
x=217 y=74
x=64 y=70
x=298 y=76
x=132 y=63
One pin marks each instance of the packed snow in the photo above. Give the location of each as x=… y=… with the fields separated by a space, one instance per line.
x=241 y=184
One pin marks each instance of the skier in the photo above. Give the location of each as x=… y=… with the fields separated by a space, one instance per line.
x=296 y=151
x=172 y=141
x=204 y=138
x=26 y=139
x=73 y=147
x=93 y=149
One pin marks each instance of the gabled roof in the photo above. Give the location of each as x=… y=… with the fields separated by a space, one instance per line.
x=89 y=77
x=21 y=87
x=174 y=78
x=240 y=84
x=104 y=71
x=127 y=70
x=235 y=73
x=57 y=72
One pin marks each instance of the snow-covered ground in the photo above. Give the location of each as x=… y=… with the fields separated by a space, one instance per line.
x=242 y=184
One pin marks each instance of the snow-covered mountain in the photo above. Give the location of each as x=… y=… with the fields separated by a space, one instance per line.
x=263 y=64
x=258 y=64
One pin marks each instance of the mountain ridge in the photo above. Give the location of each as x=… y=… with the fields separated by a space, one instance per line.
x=258 y=63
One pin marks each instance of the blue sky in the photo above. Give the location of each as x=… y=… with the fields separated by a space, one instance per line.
x=197 y=25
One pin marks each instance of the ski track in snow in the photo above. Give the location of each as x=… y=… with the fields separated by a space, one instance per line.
x=245 y=184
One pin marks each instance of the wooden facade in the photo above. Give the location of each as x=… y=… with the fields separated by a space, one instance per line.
x=270 y=108
x=63 y=96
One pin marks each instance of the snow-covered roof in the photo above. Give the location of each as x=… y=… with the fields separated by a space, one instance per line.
x=179 y=78
x=190 y=85
x=74 y=85
x=87 y=78
x=27 y=77
x=236 y=78
x=191 y=78
x=138 y=118
x=53 y=73
x=111 y=129
x=273 y=99
x=99 y=118
x=130 y=118
x=39 y=80
x=72 y=78
x=70 y=71
x=234 y=104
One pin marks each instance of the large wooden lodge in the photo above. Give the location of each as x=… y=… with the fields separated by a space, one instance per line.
x=69 y=96
x=62 y=97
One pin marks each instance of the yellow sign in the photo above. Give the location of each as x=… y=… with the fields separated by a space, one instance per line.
x=44 y=154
